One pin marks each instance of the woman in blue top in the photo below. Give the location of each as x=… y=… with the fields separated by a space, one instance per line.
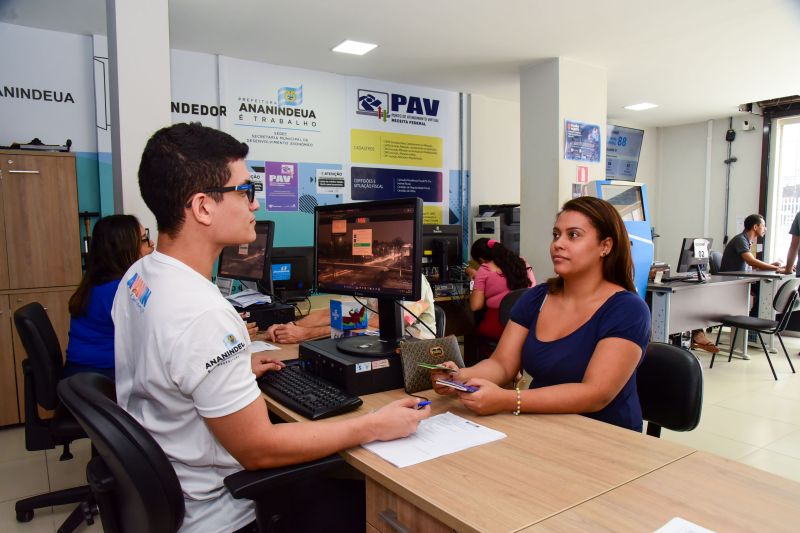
x=117 y=242
x=580 y=336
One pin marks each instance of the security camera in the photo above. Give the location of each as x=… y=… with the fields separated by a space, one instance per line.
x=747 y=125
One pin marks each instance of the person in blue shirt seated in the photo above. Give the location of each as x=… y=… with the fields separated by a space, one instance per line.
x=580 y=336
x=117 y=242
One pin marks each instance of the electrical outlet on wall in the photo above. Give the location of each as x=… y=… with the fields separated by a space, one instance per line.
x=747 y=125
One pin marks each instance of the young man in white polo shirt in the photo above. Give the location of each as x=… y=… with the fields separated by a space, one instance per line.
x=183 y=366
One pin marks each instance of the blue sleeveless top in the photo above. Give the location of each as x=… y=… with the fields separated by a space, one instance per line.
x=624 y=315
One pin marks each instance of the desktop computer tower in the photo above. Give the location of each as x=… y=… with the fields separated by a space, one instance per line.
x=354 y=374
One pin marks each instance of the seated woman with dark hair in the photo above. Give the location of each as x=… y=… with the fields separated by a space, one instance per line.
x=580 y=336
x=117 y=242
x=500 y=272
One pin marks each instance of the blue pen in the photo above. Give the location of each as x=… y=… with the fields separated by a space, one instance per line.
x=420 y=405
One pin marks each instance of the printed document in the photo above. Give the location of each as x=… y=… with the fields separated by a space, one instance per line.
x=436 y=436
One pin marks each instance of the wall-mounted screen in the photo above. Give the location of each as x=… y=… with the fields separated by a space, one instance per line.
x=623 y=146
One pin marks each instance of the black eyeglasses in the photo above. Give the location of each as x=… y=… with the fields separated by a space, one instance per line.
x=248 y=186
x=146 y=236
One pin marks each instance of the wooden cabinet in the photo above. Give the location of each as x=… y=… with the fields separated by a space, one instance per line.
x=39 y=255
x=40 y=213
x=388 y=513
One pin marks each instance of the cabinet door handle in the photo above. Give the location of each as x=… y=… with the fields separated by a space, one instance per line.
x=390 y=517
x=23 y=171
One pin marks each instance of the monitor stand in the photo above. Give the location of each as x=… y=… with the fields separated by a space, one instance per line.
x=391 y=332
x=701 y=275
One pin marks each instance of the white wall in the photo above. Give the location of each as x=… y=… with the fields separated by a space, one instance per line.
x=683 y=203
x=494 y=152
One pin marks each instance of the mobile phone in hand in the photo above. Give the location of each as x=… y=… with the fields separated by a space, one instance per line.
x=456 y=385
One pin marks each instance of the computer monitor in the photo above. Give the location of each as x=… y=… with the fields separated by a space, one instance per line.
x=441 y=249
x=695 y=253
x=250 y=262
x=371 y=249
x=292 y=271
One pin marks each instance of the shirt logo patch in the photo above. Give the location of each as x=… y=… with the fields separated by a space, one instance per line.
x=138 y=290
x=230 y=340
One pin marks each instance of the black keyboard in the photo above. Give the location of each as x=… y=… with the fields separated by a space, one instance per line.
x=306 y=394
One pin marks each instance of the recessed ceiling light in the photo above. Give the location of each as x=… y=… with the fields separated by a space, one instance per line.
x=354 y=47
x=641 y=107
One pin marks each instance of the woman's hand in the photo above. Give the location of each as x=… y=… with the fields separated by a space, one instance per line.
x=488 y=399
x=450 y=376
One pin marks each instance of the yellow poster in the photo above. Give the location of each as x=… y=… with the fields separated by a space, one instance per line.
x=431 y=214
x=383 y=148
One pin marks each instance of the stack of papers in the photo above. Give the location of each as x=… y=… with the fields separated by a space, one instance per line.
x=436 y=436
x=248 y=297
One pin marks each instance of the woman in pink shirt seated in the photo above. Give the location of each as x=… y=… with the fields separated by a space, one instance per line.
x=500 y=272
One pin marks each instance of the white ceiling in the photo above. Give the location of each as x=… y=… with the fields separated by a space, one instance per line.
x=697 y=59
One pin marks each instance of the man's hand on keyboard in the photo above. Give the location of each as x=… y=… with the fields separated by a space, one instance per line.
x=262 y=363
x=398 y=419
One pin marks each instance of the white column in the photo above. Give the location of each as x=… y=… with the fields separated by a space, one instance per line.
x=138 y=46
x=551 y=92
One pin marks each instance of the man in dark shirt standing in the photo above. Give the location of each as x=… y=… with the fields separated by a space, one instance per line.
x=737 y=255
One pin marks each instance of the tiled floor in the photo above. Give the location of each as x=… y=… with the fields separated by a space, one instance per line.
x=747 y=416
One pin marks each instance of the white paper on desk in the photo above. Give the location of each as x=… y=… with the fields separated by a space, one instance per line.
x=679 y=525
x=248 y=297
x=436 y=436
x=261 y=346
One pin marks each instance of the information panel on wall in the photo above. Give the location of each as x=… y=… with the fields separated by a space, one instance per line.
x=623 y=146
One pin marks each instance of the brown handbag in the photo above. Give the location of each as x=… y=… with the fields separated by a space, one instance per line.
x=430 y=351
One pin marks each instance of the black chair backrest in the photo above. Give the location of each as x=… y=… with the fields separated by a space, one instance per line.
x=786 y=302
x=44 y=352
x=441 y=320
x=670 y=386
x=507 y=303
x=146 y=493
x=715 y=262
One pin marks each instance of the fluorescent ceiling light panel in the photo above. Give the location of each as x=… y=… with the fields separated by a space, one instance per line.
x=355 y=47
x=641 y=107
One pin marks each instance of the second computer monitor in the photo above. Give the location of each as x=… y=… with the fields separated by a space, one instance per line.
x=250 y=261
x=695 y=253
x=441 y=250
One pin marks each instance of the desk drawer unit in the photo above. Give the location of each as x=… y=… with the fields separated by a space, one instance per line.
x=389 y=513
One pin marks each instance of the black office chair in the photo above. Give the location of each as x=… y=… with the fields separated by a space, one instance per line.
x=785 y=303
x=670 y=386
x=137 y=489
x=42 y=371
x=715 y=262
x=507 y=303
x=483 y=346
x=441 y=320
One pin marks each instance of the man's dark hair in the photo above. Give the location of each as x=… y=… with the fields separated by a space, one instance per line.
x=752 y=220
x=180 y=161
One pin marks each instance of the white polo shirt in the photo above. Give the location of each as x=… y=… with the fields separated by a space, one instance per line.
x=181 y=354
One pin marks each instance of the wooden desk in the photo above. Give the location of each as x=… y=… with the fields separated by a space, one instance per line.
x=710 y=491
x=547 y=464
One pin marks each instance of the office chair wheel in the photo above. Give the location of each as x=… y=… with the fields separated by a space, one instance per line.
x=25 y=516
